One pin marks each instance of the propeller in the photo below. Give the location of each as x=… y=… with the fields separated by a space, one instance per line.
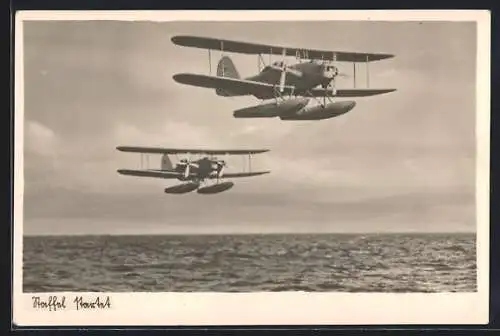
x=284 y=69
x=332 y=72
x=188 y=165
x=220 y=169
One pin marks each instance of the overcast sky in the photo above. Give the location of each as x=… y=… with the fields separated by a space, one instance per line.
x=397 y=162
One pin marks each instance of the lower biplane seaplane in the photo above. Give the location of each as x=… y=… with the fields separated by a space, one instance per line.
x=195 y=173
x=290 y=86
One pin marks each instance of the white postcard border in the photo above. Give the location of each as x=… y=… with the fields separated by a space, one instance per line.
x=267 y=308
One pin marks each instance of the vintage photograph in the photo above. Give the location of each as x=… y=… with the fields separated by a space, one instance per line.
x=226 y=156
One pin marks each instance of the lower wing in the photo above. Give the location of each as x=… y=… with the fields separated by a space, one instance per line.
x=233 y=86
x=236 y=175
x=150 y=173
x=319 y=92
x=165 y=174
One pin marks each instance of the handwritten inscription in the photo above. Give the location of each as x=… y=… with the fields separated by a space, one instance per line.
x=55 y=303
x=96 y=303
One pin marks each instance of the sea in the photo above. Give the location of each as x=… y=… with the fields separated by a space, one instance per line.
x=251 y=263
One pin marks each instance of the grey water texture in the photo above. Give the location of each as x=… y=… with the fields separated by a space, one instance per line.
x=251 y=263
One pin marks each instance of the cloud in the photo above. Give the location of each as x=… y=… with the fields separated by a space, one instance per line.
x=92 y=86
x=165 y=214
x=40 y=139
x=41 y=152
x=169 y=134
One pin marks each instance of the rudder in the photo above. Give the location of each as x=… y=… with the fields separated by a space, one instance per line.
x=226 y=68
x=166 y=164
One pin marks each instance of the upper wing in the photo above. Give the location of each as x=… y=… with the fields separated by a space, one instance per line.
x=257 y=48
x=319 y=92
x=150 y=173
x=235 y=175
x=233 y=85
x=157 y=150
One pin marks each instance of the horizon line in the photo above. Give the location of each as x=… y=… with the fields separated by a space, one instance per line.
x=251 y=233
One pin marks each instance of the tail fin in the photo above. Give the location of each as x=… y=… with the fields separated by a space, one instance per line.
x=226 y=68
x=166 y=164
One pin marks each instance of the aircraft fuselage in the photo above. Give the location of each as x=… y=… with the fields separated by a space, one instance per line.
x=202 y=169
x=302 y=76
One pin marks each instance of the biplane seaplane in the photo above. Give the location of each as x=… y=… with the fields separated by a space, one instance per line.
x=290 y=87
x=196 y=173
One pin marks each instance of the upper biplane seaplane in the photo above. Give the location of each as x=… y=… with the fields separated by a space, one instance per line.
x=194 y=172
x=290 y=86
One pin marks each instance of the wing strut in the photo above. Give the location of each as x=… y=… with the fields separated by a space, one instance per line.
x=144 y=161
x=354 y=70
x=367 y=72
x=222 y=55
x=209 y=62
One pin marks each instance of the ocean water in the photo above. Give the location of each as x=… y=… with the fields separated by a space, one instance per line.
x=249 y=263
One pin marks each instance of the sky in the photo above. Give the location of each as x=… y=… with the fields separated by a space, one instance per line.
x=400 y=162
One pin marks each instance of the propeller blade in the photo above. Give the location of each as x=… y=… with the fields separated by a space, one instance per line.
x=282 y=81
x=221 y=172
x=186 y=172
x=283 y=72
x=333 y=86
x=333 y=83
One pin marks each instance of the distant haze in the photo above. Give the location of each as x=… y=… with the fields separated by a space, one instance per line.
x=398 y=162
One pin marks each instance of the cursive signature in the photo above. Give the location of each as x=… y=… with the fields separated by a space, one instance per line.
x=53 y=303
x=95 y=303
